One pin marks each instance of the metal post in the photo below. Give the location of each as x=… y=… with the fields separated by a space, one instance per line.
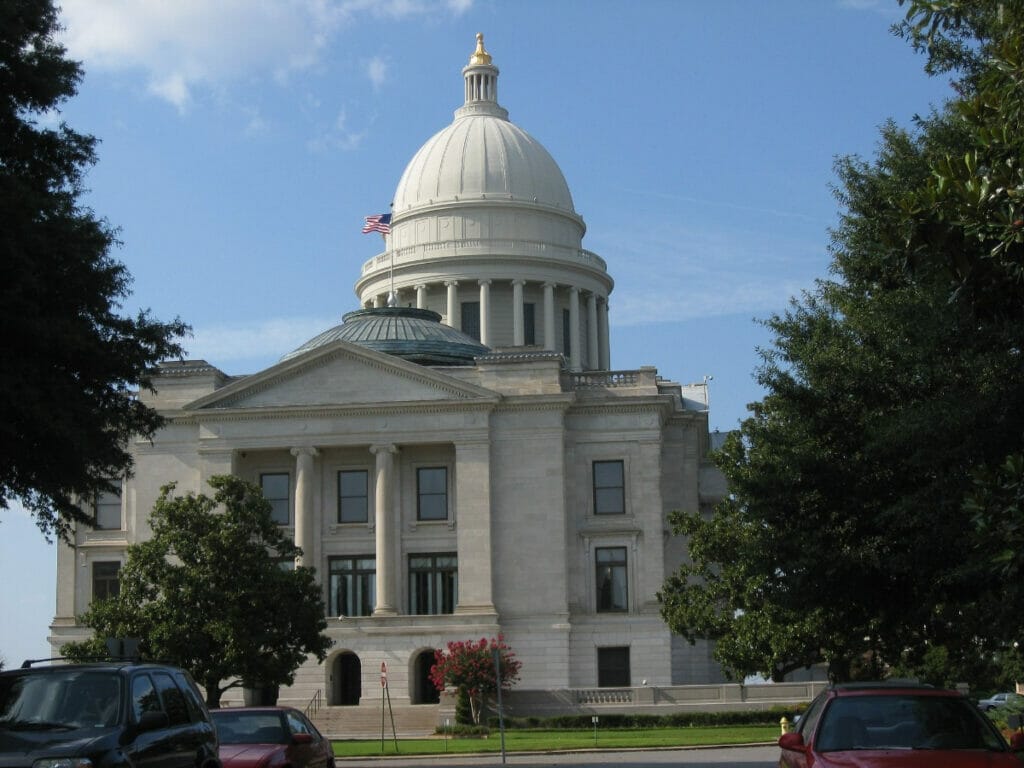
x=501 y=714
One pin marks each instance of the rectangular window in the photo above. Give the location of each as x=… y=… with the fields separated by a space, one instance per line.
x=613 y=667
x=609 y=488
x=353 y=585
x=566 y=334
x=471 y=319
x=353 y=498
x=107 y=509
x=433 y=584
x=612 y=595
x=432 y=493
x=529 y=324
x=105 y=581
x=277 y=489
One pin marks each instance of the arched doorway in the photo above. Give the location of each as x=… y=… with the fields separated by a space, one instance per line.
x=348 y=681
x=424 y=691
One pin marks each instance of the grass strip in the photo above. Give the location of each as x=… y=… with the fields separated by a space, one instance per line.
x=554 y=740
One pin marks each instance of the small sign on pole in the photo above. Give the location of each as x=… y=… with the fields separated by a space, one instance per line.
x=383 y=674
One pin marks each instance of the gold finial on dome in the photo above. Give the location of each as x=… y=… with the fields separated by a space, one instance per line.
x=480 y=56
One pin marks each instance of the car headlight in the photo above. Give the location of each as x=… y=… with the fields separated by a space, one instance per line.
x=63 y=762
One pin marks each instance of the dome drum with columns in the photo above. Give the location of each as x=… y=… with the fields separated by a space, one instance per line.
x=483 y=227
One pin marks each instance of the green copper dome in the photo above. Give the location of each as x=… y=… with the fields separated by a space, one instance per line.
x=416 y=335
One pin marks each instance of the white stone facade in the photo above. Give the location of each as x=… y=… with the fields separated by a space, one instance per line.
x=524 y=494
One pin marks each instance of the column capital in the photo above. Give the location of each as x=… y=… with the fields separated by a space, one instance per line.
x=575 y=289
x=420 y=286
x=304 y=450
x=518 y=281
x=485 y=281
x=549 y=284
x=383 y=448
x=451 y=282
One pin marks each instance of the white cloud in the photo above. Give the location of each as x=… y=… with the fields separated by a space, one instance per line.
x=182 y=46
x=265 y=341
x=377 y=71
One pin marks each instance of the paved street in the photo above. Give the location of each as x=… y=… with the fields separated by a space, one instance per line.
x=736 y=757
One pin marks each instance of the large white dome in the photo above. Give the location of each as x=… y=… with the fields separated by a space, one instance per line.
x=482 y=156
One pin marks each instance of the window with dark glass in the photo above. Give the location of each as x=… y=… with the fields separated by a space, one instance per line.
x=613 y=667
x=529 y=324
x=172 y=698
x=471 y=319
x=609 y=488
x=105 y=581
x=107 y=509
x=353 y=496
x=432 y=493
x=352 y=585
x=433 y=583
x=612 y=595
x=277 y=489
x=144 y=697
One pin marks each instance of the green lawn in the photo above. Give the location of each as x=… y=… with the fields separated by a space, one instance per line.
x=540 y=740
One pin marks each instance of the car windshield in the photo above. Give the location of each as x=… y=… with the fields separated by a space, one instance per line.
x=60 y=699
x=905 y=721
x=249 y=727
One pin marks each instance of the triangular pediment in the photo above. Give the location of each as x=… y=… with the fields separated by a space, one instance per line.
x=340 y=374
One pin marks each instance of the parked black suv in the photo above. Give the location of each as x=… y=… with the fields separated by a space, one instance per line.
x=104 y=715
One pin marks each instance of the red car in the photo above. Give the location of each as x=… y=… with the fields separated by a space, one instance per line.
x=895 y=726
x=270 y=737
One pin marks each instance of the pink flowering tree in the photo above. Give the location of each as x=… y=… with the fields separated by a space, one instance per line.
x=468 y=666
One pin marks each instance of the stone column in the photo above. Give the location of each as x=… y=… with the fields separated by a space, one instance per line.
x=385 y=529
x=305 y=524
x=574 y=329
x=518 y=332
x=473 y=513
x=606 y=348
x=421 y=296
x=549 y=316
x=592 y=353
x=485 y=312
x=378 y=301
x=454 y=319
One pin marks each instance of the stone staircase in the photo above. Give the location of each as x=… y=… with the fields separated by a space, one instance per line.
x=364 y=721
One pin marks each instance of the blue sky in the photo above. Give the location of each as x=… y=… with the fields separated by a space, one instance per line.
x=243 y=141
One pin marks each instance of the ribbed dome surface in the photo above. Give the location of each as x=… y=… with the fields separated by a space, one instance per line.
x=482 y=156
x=412 y=334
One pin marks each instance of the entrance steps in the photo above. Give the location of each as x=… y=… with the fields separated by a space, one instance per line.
x=364 y=721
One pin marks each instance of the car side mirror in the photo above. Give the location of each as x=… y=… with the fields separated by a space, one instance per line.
x=792 y=741
x=302 y=738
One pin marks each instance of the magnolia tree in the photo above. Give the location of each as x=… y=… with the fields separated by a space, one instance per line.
x=469 y=668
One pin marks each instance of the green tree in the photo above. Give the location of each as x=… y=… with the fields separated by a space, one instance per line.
x=67 y=404
x=212 y=593
x=469 y=668
x=848 y=536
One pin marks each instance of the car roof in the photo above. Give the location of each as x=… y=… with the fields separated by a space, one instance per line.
x=894 y=688
x=116 y=666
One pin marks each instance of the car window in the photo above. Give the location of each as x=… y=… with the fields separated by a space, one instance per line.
x=196 y=711
x=809 y=719
x=297 y=723
x=144 y=697
x=71 y=698
x=172 y=698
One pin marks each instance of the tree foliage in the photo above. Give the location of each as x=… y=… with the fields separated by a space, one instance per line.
x=875 y=511
x=468 y=666
x=72 y=362
x=210 y=593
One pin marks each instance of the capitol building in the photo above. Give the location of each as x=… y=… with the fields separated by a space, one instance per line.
x=458 y=458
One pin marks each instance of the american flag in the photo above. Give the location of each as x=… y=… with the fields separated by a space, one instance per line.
x=380 y=222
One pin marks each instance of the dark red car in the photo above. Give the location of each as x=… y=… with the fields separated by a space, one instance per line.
x=895 y=726
x=270 y=737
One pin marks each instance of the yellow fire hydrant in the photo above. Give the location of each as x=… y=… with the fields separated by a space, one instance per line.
x=784 y=724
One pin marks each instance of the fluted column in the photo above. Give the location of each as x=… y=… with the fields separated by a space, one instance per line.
x=421 y=296
x=485 y=312
x=305 y=488
x=384 y=529
x=549 y=316
x=454 y=319
x=518 y=332
x=574 y=329
x=592 y=353
x=606 y=347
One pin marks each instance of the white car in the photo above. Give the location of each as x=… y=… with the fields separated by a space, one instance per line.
x=996 y=700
